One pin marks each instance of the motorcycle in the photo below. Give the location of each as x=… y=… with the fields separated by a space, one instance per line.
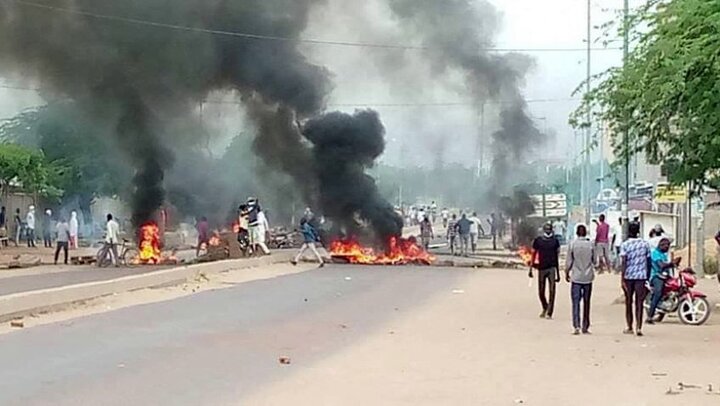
x=678 y=296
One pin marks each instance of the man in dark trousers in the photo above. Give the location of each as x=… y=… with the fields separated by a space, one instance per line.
x=546 y=250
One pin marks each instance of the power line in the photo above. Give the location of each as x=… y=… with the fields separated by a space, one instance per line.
x=251 y=36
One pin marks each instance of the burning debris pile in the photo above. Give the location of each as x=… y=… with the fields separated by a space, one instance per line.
x=149 y=247
x=400 y=251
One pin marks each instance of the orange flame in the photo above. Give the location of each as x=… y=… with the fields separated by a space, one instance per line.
x=526 y=254
x=400 y=251
x=236 y=227
x=149 y=246
x=215 y=240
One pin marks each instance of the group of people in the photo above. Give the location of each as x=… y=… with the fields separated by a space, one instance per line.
x=644 y=265
x=26 y=226
x=414 y=216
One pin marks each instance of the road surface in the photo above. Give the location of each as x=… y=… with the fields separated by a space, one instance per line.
x=361 y=336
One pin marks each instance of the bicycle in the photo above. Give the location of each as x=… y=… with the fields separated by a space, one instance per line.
x=126 y=253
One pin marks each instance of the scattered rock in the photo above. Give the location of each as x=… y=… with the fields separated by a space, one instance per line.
x=121 y=365
x=343 y=326
x=659 y=374
x=670 y=391
x=519 y=401
x=458 y=291
x=391 y=332
x=305 y=299
x=284 y=360
x=347 y=278
x=17 y=323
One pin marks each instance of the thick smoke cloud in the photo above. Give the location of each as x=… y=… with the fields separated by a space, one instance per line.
x=139 y=77
x=344 y=147
x=457 y=35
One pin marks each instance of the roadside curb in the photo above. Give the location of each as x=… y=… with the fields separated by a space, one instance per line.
x=23 y=303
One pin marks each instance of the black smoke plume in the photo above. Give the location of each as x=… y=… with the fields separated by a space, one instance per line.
x=142 y=76
x=344 y=147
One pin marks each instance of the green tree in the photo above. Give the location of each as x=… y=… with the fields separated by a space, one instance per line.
x=69 y=140
x=29 y=170
x=667 y=96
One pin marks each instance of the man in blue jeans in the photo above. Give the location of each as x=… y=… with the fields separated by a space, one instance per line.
x=661 y=270
x=580 y=271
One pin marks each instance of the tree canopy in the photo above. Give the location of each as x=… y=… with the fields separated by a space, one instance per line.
x=28 y=169
x=667 y=95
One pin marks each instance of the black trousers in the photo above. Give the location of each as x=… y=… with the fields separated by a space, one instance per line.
x=547 y=277
x=635 y=292
x=61 y=245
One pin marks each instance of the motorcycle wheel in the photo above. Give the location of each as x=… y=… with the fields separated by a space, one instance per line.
x=694 y=312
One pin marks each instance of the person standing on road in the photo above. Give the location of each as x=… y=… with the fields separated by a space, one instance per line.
x=433 y=212
x=617 y=239
x=602 y=244
x=112 y=237
x=463 y=226
x=494 y=229
x=310 y=237
x=546 y=252
x=580 y=272
x=445 y=213
x=426 y=233
x=475 y=231
x=30 y=223
x=47 y=229
x=203 y=230
x=258 y=226
x=634 y=254
x=74 y=226
x=3 y=226
x=63 y=239
x=452 y=233
x=18 y=227
x=661 y=268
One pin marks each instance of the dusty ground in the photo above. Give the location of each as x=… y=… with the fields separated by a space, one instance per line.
x=357 y=336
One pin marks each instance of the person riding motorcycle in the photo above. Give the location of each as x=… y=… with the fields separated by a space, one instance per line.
x=661 y=269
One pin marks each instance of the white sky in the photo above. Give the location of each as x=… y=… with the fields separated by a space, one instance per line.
x=525 y=24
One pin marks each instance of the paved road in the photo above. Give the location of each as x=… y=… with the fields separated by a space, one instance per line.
x=70 y=276
x=387 y=336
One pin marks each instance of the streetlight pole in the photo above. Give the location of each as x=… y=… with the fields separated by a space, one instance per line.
x=626 y=135
x=586 y=143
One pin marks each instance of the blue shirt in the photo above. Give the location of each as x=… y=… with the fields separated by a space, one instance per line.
x=308 y=233
x=636 y=253
x=657 y=259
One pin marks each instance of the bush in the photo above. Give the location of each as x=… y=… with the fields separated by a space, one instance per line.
x=710 y=265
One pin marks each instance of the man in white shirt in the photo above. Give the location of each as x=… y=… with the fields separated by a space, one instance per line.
x=30 y=223
x=475 y=230
x=617 y=239
x=112 y=232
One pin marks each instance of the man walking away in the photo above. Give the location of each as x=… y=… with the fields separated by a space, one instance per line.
x=30 y=223
x=47 y=229
x=203 y=230
x=616 y=241
x=433 y=212
x=661 y=269
x=475 y=231
x=446 y=217
x=493 y=221
x=63 y=239
x=310 y=237
x=602 y=244
x=258 y=226
x=112 y=234
x=426 y=233
x=74 y=226
x=545 y=257
x=463 y=226
x=634 y=254
x=18 y=227
x=579 y=271
x=452 y=233
x=3 y=226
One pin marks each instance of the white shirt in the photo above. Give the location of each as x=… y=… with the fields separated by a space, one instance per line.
x=421 y=215
x=112 y=232
x=30 y=220
x=445 y=214
x=263 y=224
x=474 y=225
x=617 y=233
x=73 y=226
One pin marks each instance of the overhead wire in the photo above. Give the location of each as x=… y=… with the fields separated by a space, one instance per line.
x=263 y=37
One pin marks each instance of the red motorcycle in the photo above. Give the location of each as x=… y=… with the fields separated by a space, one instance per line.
x=678 y=296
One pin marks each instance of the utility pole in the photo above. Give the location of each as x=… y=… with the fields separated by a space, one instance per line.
x=586 y=144
x=626 y=135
